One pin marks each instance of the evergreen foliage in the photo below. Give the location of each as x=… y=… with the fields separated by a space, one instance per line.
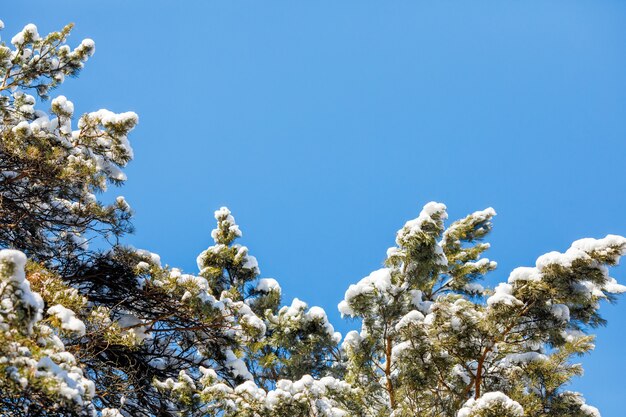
x=115 y=333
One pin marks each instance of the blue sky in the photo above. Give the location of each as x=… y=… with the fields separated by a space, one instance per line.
x=325 y=125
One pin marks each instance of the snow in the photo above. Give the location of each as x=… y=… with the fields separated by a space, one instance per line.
x=483 y=215
x=572 y=335
x=68 y=319
x=71 y=383
x=481 y=263
x=477 y=217
x=287 y=391
x=251 y=263
x=200 y=259
x=590 y=410
x=562 y=259
x=22 y=128
x=109 y=119
x=12 y=264
x=223 y=213
x=296 y=308
x=503 y=294
x=223 y=235
x=474 y=288
x=250 y=390
x=129 y=323
x=411 y=318
x=111 y=412
x=394 y=251
x=143 y=266
x=298 y=311
x=306 y=390
x=398 y=350
x=577 y=399
x=561 y=312
x=593 y=252
x=378 y=281
x=268 y=285
x=225 y=220
x=414 y=227
x=417 y=299
x=589 y=289
x=122 y=203
x=459 y=371
x=441 y=256
x=352 y=339
x=602 y=246
x=14 y=261
x=62 y=106
x=153 y=257
x=610 y=247
x=522 y=358
x=208 y=373
x=489 y=401
x=255 y=322
x=89 y=44
x=184 y=279
x=30 y=30
x=236 y=365
x=183 y=383
x=318 y=313
x=613 y=287
x=524 y=274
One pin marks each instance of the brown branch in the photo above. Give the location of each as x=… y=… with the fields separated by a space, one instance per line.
x=390 y=389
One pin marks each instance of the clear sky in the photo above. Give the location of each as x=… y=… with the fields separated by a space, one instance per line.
x=325 y=125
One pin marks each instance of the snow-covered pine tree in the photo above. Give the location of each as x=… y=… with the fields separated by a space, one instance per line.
x=249 y=369
x=434 y=342
x=114 y=333
x=88 y=332
x=297 y=341
x=50 y=170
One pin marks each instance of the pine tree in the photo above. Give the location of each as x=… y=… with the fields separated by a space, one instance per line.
x=263 y=346
x=87 y=331
x=49 y=175
x=50 y=169
x=113 y=332
x=434 y=342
